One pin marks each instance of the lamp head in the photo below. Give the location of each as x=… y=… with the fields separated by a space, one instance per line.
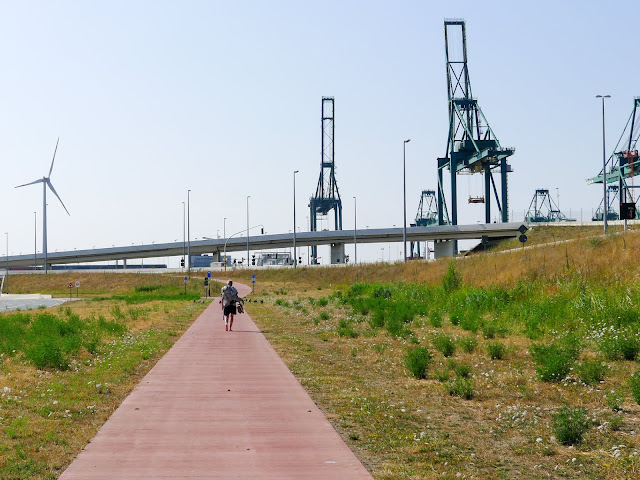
x=407 y=140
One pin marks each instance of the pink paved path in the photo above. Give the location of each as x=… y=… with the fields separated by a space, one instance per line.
x=218 y=405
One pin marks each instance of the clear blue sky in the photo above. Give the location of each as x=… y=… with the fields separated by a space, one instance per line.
x=151 y=98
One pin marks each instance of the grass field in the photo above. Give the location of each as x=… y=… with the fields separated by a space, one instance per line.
x=64 y=370
x=505 y=365
x=520 y=363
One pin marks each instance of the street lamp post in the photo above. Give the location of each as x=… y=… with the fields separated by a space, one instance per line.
x=295 y=253
x=7 y=279
x=404 y=186
x=248 y=197
x=605 y=206
x=35 y=240
x=184 y=237
x=231 y=236
x=188 y=231
x=355 y=229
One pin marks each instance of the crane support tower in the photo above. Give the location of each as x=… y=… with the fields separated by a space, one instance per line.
x=327 y=196
x=612 y=196
x=472 y=147
x=427 y=215
x=543 y=209
x=623 y=165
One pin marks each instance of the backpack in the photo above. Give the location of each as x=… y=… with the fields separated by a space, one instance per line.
x=229 y=295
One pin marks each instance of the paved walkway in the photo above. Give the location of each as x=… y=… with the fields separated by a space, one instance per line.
x=218 y=405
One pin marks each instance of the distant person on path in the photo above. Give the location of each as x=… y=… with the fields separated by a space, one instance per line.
x=229 y=299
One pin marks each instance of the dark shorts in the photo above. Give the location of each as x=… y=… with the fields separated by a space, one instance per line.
x=230 y=310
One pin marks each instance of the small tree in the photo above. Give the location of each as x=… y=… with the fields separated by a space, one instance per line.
x=452 y=280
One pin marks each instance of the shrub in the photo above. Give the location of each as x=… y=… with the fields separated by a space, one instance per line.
x=435 y=318
x=345 y=329
x=322 y=302
x=624 y=344
x=614 y=400
x=471 y=322
x=570 y=424
x=444 y=344
x=455 y=317
x=461 y=387
x=634 y=384
x=592 y=372
x=111 y=327
x=452 y=280
x=554 y=361
x=443 y=376
x=496 y=350
x=324 y=316
x=463 y=370
x=45 y=352
x=417 y=361
x=468 y=344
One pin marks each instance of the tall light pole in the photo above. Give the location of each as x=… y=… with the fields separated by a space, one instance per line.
x=188 y=231
x=7 y=279
x=404 y=185
x=35 y=239
x=184 y=237
x=224 y=227
x=605 y=206
x=355 y=228
x=295 y=253
x=248 y=197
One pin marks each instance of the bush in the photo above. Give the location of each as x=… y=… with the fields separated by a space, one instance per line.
x=455 y=317
x=554 y=361
x=592 y=372
x=468 y=344
x=614 y=400
x=435 y=318
x=444 y=344
x=570 y=424
x=324 y=316
x=624 y=344
x=45 y=352
x=345 y=329
x=461 y=387
x=452 y=280
x=417 y=361
x=634 y=384
x=322 y=302
x=463 y=370
x=471 y=322
x=496 y=351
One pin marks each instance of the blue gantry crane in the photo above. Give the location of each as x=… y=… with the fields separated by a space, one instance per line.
x=427 y=215
x=621 y=167
x=472 y=146
x=327 y=196
x=543 y=209
x=612 y=197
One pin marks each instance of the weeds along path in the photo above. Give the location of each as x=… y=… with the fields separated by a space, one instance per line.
x=218 y=405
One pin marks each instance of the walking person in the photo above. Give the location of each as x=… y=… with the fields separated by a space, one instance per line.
x=229 y=299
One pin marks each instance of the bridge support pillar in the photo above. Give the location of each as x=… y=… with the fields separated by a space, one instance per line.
x=444 y=248
x=216 y=256
x=124 y=263
x=337 y=253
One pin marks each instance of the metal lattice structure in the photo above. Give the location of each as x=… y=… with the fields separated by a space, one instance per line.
x=612 y=196
x=472 y=146
x=327 y=196
x=543 y=209
x=623 y=164
x=427 y=215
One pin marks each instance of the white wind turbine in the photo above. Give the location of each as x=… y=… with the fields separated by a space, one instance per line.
x=46 y=181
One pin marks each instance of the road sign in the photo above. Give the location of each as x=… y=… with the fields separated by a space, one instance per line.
x=70 y=285
x=209 y=274
x=185 y=279
x=253 y=279
x=77 y=284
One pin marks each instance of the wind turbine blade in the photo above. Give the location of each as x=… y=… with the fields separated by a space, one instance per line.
x=36 y=181
x=54 y=159
x=56 y=194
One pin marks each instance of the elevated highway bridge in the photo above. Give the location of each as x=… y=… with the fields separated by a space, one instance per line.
x=443 y=234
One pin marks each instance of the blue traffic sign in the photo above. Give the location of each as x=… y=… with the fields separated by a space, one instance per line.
x=209 y=274
x=185 y=279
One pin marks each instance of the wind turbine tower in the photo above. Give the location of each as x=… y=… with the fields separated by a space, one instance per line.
x=46 y=181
